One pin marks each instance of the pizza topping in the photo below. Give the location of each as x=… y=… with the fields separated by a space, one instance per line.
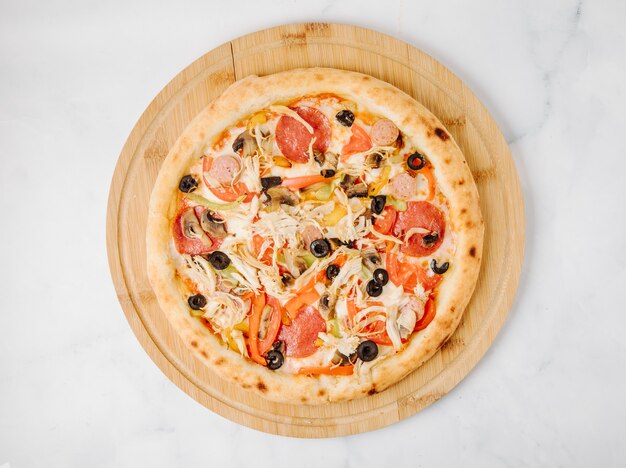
x=219 y=260
x=197 y=301
x=275 y=359
x=311 y=233
x=378 y=204
x=371 y=258
x=422 y=215
x=281 y=196
x=357 y=190
x=308 y=269
x=187 y=184
x=385 y=221
x=245 y=144
x=374 y=288
x=210 y=222
x=189 y=238
x=301 y=128
x=381 y=276
x=367 y=351
x=384 y=132
x=332 y=271
x=403 y=186
x=269 y=182
x=225 y=169
x=345 y=118
x=358 y=143
x=300 y=335
x=416 y=161
x=320 y=248
x=439 y=269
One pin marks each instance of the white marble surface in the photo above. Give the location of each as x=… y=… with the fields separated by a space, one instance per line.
x=78 y=390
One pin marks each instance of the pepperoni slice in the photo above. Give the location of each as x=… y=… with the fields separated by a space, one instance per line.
x=184 y=245
x=300 y=335
x=293 y=138
x=423 y=215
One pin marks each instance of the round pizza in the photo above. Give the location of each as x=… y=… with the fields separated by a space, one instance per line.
x=314 y=235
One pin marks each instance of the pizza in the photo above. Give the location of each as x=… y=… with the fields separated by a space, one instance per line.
x=314 y=235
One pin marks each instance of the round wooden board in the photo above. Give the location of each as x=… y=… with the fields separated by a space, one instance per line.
x=344 y=47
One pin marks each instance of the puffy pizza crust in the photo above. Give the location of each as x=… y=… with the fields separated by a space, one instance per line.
x=424 y=131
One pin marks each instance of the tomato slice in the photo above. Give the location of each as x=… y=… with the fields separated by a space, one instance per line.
x=422 y=215
x=272 y=329
x=377 y=329
x=359 y=141
x=384 y=223
x=300 y=335
x=267 y=257
x=408 y=273
x=226 y=193
x=430 y=311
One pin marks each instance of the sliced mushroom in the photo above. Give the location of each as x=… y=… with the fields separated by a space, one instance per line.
x=265 y=321
x=374 y=159
x=327 y=303
x=245 y=143
x=330 y=160
x=357 y=191
x=408 y=315
x=191 y=227
x=212 y=224
x=295 y=265
x=371 y=258
x=281 y=196
x=343 y=360
x=319 y=157
x=347 y=181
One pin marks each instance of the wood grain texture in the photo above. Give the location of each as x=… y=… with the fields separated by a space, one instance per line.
x=344 y=47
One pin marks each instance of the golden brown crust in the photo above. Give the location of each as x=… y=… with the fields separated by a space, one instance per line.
x=452 y=174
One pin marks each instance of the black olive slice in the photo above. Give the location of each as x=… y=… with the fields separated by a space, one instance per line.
x=328 y=173
x=274 y=359
x=367 y=351
x=269 y=182
x=416 y=161
x=332 y=271
x=430 y=239
x=378 y=204
x=197 y=301
x=219 y=260
x=187 y=184
x=374 y=288
x=381 y=276
x=320 y=248
x=345 y=118
x=439 y=269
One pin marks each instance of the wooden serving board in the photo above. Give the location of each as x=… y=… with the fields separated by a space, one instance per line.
x=344 y=47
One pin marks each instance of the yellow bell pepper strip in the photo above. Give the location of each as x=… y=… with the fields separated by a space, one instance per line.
x=332 y=218
x=319 y=370
x=376 y=186
x=255 y=323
